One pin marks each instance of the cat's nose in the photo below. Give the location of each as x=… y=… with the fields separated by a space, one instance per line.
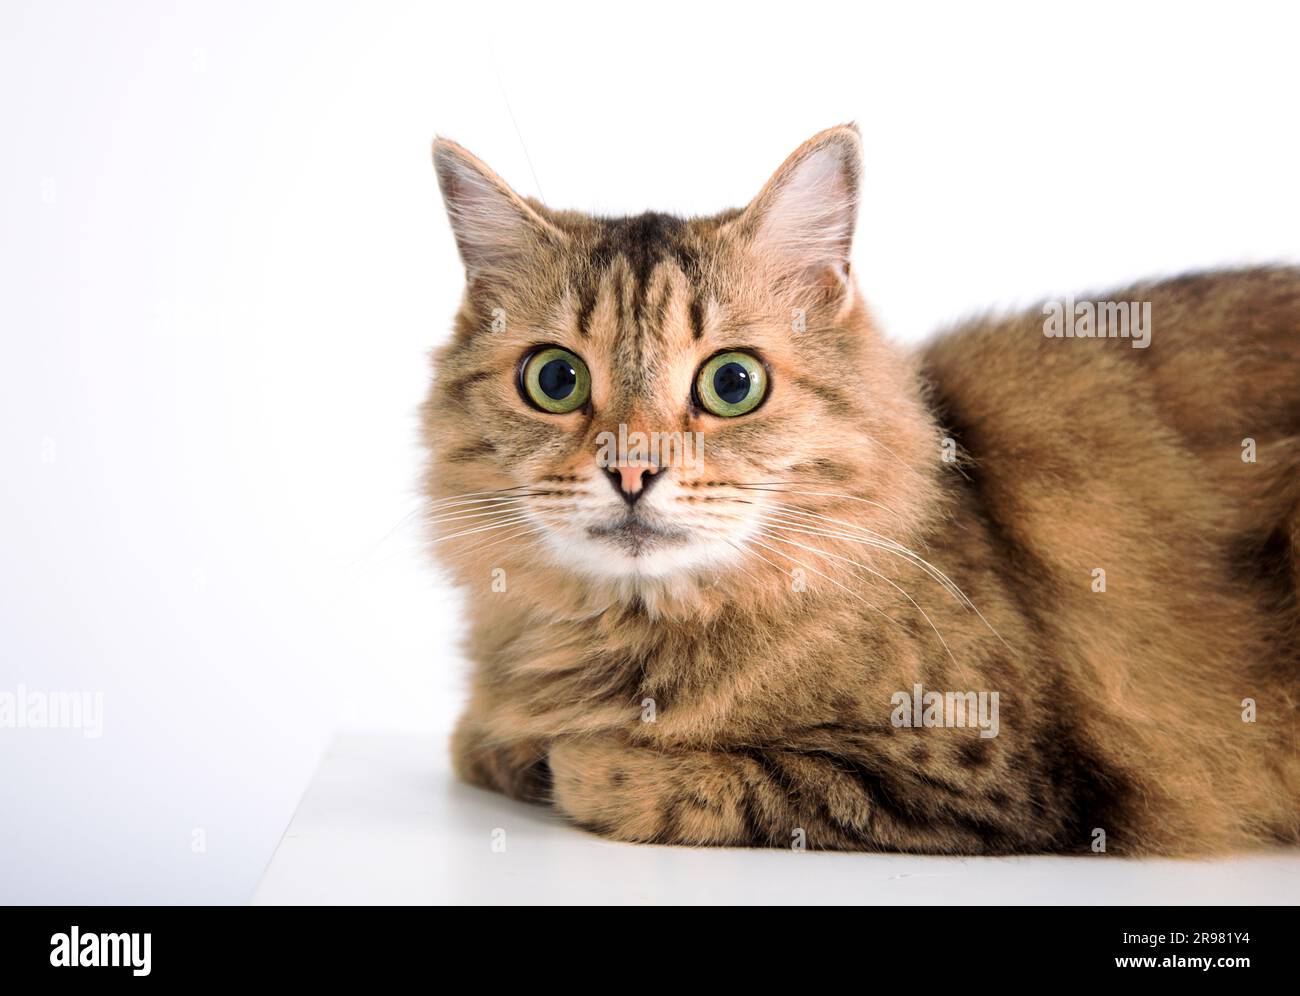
x=631 y=480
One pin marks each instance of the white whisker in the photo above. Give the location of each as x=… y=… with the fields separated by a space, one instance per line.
x=898 y=588
x=476 y=514
x=495 y=525
x=871 y=538
x=484 y=502
x=823 y=494
x=837 y=584
x=888 y=545
x=476 y=494
x=479 y=548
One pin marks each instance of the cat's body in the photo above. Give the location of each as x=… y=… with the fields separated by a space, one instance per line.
x=731 y=672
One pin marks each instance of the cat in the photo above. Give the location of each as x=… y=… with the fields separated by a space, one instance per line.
x=1027 y=589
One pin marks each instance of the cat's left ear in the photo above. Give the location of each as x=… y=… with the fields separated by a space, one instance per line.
x=802 y=221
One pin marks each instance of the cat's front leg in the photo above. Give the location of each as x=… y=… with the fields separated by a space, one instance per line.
x=636 y=793
x=776 y=797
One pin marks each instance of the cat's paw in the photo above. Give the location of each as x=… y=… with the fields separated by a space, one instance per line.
x=518 y=770
x=638 y=794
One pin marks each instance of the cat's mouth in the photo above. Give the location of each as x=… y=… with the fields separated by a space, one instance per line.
x=635 y=536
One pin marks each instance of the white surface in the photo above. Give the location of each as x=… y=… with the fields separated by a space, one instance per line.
x=384 y=822
x=223 y=263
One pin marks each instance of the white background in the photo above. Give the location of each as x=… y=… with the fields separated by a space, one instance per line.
x=222 y=265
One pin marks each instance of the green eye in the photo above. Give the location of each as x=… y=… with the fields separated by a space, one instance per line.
x=731 y=384
x=556 y=381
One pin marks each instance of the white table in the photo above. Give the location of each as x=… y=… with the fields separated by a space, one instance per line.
x=384 y=821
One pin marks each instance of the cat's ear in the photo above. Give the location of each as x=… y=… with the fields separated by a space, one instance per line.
x=802 y=222
x=495 y=228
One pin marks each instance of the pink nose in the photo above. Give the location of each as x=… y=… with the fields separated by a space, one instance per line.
x=632 y=476
x=631 y=479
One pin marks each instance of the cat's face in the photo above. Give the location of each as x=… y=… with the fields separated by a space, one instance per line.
x=635 y=398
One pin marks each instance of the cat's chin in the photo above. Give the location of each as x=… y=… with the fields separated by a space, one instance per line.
x=631 y=556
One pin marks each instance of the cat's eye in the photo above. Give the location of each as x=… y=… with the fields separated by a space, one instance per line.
x=555 y=380
x=731 y=384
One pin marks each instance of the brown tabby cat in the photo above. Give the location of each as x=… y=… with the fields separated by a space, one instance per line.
x=1017 y=592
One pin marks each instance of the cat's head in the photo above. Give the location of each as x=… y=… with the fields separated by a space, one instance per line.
x=647 y=400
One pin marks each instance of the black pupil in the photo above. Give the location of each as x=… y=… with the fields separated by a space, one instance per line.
x=557 y=379
x=731 y=383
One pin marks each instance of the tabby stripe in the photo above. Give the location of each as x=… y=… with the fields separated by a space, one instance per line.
x=473 y=451
x=586 y=305
x=457 y=389
x=697 y=317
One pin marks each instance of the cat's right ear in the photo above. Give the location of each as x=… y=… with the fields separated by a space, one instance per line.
x=496 y=229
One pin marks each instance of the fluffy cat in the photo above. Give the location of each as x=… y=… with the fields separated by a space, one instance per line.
x=1012 y=592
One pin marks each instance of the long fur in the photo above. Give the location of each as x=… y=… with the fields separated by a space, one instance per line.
x=885 y=519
